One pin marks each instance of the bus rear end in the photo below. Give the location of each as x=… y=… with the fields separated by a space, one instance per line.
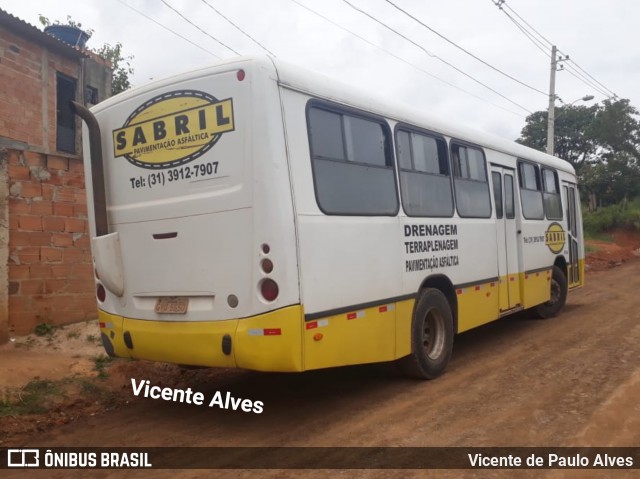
x=195 y=260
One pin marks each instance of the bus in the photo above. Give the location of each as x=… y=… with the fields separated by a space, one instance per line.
x=251 y=214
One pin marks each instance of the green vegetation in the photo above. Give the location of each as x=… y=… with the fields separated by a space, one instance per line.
x=624 y=215
x=120 y=64
x=44 y=329
x=602 y=143
x=42 y=396
x=34 y=398
x=100 y=364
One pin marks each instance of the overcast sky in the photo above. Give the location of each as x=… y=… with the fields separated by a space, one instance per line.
x=599 y=36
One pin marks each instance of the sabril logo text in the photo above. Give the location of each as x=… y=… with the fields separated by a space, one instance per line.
x=173 y=129
x=554 y=237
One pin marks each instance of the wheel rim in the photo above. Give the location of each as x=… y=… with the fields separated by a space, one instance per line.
x=555 y=292
x=433 y=334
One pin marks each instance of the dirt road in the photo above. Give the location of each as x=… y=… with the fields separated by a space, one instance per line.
x=570 y=381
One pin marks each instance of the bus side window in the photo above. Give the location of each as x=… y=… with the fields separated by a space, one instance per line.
x=509 y=203
x=424 y=174
x=551 y=194
x=497 y=192
x=530 y=191
x=351 y=162
x=470 y=181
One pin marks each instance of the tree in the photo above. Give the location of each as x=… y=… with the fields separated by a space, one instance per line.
x=121 y=65
x=602 y=142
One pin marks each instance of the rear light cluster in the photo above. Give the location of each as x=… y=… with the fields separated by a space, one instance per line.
x=268 y=287
x=101 y=293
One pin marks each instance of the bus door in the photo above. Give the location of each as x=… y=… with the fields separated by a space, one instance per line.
x=571 y=203
x=506 y=236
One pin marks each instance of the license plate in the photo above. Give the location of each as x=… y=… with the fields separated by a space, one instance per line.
x=172 y=305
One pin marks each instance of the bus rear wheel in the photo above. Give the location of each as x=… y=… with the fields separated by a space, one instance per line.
x=431 y=336
x=557 y=298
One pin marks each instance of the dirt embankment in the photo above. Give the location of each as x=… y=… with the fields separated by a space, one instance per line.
x=601 y=255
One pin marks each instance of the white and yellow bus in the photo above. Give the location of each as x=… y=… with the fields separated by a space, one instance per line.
x=254 y=215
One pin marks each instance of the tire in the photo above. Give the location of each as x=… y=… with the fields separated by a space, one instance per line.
x=558 y=296
x=431 y=336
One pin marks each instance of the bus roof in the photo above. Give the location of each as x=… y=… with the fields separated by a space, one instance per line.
x=318 y=85
x=296 y=78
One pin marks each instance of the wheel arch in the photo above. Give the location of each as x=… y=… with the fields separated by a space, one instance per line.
x=561 y=263
x=444 y=284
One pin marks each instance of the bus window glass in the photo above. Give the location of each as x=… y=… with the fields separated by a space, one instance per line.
x=530 y=191
x=362 y=180
x=509 y=204
x=529 y=176
x=425 y=155
x=471 y=184
x=404 y=150
x=497 y=193
x=551 y=194
x=424 y=175
x=365 y=141
x=326 y=134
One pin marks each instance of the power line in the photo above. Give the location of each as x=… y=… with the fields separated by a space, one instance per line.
x=168 y=29
x=574 y=73
x=542 y=42
x=464 y=50
x=238 y=28
x=588 y=75
x=544 y=39
x=435 y=56
x=549 y=43
x=536 y=42
x=405 y=61
x=203 y=31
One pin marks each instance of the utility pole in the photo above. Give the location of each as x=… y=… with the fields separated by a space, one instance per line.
x=552 y=102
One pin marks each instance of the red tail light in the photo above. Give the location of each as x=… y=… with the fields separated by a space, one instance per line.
x=266 y=265
x=269 y=289
x=101 y=293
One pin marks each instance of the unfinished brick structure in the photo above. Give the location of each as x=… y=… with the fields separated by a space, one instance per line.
x=45 y=263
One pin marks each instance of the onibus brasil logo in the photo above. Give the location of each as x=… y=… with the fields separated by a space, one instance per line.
x=173 y=129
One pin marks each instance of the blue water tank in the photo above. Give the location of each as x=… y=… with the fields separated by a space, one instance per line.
x=68 y=34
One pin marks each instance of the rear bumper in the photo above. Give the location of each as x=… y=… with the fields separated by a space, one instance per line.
x=267 y=342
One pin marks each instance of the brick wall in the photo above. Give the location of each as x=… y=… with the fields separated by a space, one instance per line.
x=45 y=263
x=28 y=100
x=50 y=270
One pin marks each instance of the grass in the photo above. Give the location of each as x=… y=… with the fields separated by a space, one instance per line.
x=42 y=396
x=598 y=236
x=33 y=398
x=100 y=364
x=591 y=248
x=45 y=329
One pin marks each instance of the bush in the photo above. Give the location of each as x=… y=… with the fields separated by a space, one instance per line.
x=620 y=215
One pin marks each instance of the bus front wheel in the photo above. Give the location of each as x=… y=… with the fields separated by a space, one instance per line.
x=431 y=336
x=557 y=297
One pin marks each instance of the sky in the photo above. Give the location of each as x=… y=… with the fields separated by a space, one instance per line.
x=422 y=69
